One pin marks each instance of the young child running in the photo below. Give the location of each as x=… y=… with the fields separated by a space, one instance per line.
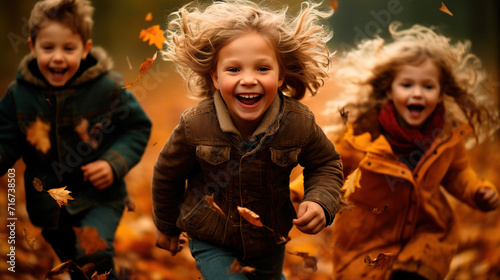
x=75 y=127
x=238 y=146
x=421 y=98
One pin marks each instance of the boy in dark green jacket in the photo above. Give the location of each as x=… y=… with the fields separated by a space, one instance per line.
x=89 y=132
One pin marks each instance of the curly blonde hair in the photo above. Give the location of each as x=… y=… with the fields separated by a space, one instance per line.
x=75 y=14
x=367 y=72
x=195 y=35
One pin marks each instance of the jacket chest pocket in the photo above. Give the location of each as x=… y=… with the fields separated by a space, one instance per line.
x=287 y=157
x=213 y=155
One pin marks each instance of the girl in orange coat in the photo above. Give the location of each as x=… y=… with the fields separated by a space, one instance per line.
x=417 y=99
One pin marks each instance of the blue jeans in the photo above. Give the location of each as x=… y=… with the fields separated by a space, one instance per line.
x=64 y=242
x=214 y=262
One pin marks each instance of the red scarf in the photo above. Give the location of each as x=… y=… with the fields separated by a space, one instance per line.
x=407 y=141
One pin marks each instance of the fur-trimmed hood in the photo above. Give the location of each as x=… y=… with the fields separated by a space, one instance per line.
x=97 y=63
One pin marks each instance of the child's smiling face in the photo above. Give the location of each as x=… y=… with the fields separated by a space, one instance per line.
x=416 y=91
x=59 y=52
x=248 y=77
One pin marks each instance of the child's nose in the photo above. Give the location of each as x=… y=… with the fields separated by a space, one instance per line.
x=417 y=92
x=58 y=56
x=248 y=79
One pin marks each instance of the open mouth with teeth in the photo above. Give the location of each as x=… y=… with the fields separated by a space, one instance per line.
x=249 y=99
x=58 y=71
x=416 y=108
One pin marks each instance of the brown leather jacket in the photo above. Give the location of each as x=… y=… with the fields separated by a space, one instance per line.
x=402 y=212
x=206 y=150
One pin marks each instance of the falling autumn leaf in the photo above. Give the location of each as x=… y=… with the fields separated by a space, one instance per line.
x=444 y=9
x=88 y=268
x=145 y=67
x=352 y=183
x=236 y=267
x=89 y=240
x=58 y=270
x=103 y=276
x=37 y=135
x=250 y=216
x=344 y=115
x=61 y=195
x=334 y=4
x=382 y=261
x=149 y=17
x=154 y=35
x=213 y=205
x=30 y=239
x=309 y=261
x=37 y=183
x=284 y=240
x=82 y=130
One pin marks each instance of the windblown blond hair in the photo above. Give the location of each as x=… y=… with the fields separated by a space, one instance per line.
x=367 y=72
x=75 y=14
x=195 y=35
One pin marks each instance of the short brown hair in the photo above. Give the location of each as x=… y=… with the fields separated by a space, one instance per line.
x=76 y=14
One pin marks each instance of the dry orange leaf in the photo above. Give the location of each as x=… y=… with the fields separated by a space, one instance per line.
x=37 y=135
x=149 y=17
x=284 y=239
x=58 y=270
x=37 y=183
x=236 y=267
x=334 y=4
x=61 y=195
x=103 y=276
x=82 y=130
x=89 y=240
x=382 y=261
x=250 y=216
x=351 y=183
x=30 y=239
x=145 y=67
x=444 y=9
x=154 y=35
x=213 y=205
x=309 y=261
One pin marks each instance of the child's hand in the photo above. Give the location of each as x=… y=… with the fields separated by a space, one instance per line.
x=173 y=244
x=310 y=217
x=99 y=173
x=486 y=199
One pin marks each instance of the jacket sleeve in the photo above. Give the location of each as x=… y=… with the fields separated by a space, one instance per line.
x=11 y=137
x=134 y=127
x=323 y=176
x=172 y=168
x=461 y=180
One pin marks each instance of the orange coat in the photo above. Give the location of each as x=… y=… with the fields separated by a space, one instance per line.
x=399 y=212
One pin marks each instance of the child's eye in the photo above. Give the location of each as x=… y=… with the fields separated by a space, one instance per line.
x=69 y=48
x=429 y=87
x=263 y=68
x=47 y=47
x=406 y=85
x=232 y=69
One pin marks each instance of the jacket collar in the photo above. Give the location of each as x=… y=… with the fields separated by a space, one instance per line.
x=227 y=125
x=96 y=64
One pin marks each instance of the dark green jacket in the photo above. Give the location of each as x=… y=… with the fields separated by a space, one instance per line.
x=206 y=150
x=118 y=131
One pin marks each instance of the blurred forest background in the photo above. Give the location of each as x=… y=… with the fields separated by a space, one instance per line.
x=161 y=93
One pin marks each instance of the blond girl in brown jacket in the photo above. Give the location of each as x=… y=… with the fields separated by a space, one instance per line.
x=405 y=147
